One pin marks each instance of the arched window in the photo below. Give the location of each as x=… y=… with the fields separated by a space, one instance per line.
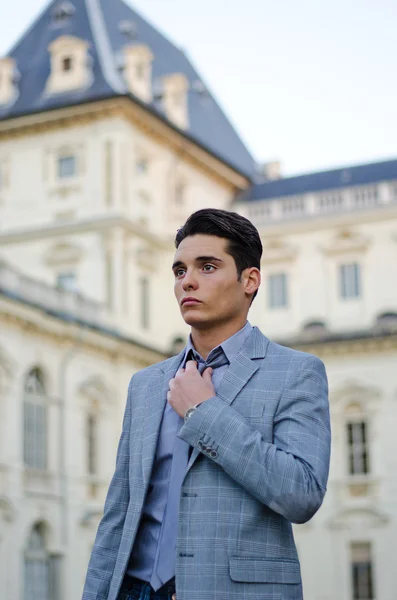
x=37 y=584
x=42 y=572
x=35 y=421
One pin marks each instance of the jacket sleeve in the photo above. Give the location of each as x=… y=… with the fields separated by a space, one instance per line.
x=290 y=474
x=108 y=538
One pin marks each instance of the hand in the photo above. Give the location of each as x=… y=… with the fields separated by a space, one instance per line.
x=189 y=388
x=173 y=597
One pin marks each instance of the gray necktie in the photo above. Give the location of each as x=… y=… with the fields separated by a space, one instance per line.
x=164 y=566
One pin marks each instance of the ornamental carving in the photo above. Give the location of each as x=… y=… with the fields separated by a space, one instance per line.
x=276 y=250
x=358 y=519
x=6 y=371
x=346 y=241
x=96 y=391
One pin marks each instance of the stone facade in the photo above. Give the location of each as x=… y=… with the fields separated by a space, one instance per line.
x=92 y=193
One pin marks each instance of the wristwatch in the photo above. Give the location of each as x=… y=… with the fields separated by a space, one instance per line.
x=190 y=411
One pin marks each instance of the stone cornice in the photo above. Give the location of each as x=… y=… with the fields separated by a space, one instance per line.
x=96 y=224
x=142 y=117
x=325 y=222
x=35 y=321
x=355 y=343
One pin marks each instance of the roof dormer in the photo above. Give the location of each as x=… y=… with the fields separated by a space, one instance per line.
x=70 y=65
x=175 y=104
x=138 y=71
x=8 y=87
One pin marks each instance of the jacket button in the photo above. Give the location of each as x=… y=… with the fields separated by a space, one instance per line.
x=214 y=454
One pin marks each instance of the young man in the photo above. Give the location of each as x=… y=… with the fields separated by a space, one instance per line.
x=223 y=446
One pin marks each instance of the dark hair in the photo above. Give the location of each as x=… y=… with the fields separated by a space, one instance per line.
x=243 y=241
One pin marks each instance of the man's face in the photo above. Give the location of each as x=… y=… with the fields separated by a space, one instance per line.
x=206 y=283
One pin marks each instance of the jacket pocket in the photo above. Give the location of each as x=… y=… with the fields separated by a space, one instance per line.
x=264 y=570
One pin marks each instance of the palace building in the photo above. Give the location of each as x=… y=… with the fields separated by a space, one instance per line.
x=109 y=139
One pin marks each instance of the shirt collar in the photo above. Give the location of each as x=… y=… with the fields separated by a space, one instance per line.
x=230 y=347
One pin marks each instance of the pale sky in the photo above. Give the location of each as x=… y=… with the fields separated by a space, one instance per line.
x=312 y=83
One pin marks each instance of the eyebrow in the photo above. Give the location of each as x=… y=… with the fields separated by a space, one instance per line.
x=198 y=259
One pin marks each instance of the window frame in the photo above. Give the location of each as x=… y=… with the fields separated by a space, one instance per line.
x=35 y=422
x=350 y=280
x=362 y=584
x=68 y=173
x=278 y=291
x=358 y=450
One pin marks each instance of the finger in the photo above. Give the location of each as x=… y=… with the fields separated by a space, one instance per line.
x=191 y=365
x=207 y=375
x=180 y=372
x=173 y=596
x=168 y=396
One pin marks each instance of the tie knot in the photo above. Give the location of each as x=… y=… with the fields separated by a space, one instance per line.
x=216 y=358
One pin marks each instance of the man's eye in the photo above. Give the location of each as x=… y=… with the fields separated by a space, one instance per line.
x=179 y=272
x=208 y=267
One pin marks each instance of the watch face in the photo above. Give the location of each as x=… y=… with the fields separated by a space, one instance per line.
x=189 y=413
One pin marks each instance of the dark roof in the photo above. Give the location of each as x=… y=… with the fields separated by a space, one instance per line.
x=323 y=180
x=98 y=22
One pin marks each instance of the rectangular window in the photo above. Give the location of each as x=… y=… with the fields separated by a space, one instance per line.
x=357 y=440
x=362 y=571
x=350 y=280
x=145 y=303
x=67 y=166
x=67 y=282
x=92 y=445
x=278 y=290
x=35 y=435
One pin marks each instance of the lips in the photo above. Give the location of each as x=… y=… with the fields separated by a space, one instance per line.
x=190 y=301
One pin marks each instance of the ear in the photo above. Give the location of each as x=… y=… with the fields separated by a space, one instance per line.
x=252 y=280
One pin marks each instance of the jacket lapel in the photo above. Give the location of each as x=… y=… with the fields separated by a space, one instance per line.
x=156 y=399
x=240 y=371
x=243 y=366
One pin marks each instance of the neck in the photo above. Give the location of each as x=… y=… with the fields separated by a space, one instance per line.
x=205 y=340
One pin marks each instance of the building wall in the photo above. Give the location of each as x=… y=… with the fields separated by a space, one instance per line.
x=85 y=373
x=311 y=254
x=111 y=224
x=357 y=508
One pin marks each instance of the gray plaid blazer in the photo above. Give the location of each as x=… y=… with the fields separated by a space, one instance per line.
x=260 y=462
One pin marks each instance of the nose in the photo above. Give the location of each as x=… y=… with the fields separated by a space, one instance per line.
x=189 y=281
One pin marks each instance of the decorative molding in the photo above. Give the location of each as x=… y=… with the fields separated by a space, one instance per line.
x=143 y=119
x=7 y=510
x=31 y=321
x=276 y=250
x=63 y=253
x=96 y=391
x=7 y=369
x=346 y=241
x=354 y=393
x=358 y=518
x=325 y=348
